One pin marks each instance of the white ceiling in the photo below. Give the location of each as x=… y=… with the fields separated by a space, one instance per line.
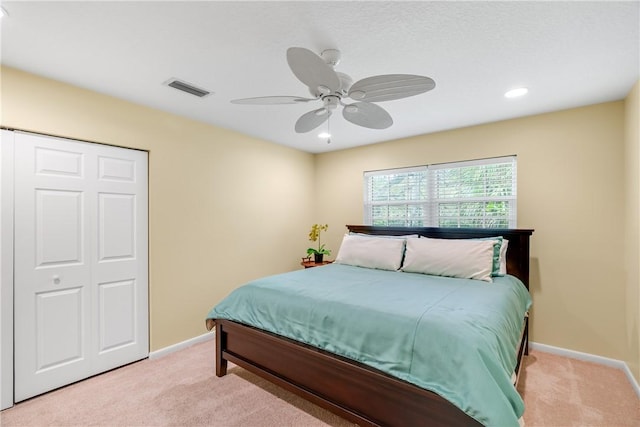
x=567 y=53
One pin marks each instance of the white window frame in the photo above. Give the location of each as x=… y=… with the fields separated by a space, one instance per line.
x=431 y=203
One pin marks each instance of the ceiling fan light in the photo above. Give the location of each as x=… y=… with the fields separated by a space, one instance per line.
x=514 y=93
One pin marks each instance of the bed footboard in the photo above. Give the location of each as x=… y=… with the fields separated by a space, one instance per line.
x=352 y=390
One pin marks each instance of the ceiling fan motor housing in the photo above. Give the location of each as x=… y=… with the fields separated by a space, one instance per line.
x=331 y=101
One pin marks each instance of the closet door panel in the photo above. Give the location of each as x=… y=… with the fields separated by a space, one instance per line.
x=120 y=266
x=52 y=282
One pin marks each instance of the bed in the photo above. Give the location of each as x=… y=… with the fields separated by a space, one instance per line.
x=359 y=390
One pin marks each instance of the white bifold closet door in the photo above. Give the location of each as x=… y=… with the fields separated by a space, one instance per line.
x=81 y=261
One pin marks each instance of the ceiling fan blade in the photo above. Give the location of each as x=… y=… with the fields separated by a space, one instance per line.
x=272 y=100
x=390 y=86
x=311 y=120
x=311 y=70
x=368 y=115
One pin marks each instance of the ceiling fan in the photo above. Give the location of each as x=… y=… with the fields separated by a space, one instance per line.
x=331 y=87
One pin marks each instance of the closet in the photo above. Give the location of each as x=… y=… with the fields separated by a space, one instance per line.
x=80 y=260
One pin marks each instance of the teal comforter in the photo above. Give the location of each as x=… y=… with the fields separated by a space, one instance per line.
x=456 y=337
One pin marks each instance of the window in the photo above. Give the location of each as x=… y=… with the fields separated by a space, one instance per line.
x=477 y=193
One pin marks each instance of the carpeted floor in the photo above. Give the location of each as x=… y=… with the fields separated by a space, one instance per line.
x=559 y=391
x=181 y=390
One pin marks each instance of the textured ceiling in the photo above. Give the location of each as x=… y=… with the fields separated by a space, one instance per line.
x=567 y=53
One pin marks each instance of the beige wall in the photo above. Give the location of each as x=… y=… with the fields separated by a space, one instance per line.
x=570 y=190
x=632 y=227
x=223 y=207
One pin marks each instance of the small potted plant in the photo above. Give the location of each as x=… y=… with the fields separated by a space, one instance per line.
x=314 y=236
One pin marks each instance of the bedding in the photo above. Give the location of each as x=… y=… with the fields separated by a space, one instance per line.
x=502 y=270
x=456 y=337
x=500 y=245
x=466 y=259
x=371 y=252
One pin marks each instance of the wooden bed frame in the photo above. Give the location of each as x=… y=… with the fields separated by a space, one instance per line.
x=352 y=390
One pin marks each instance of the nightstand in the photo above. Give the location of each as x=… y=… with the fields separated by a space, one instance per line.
x=312 y=263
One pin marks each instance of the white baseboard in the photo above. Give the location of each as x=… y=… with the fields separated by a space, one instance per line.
x=614 y=363
x=181 y=345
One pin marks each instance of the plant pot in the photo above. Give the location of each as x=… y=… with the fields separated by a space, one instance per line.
x=318 y=258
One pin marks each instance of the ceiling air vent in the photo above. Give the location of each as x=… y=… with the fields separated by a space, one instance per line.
x=187 y=87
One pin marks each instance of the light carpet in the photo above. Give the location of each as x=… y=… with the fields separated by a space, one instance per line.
x=181 y=389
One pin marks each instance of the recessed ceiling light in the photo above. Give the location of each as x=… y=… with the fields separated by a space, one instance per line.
x=324 y=135
x=514 y=93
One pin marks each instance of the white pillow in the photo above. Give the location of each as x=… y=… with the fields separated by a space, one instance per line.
x=464 y=258
x=371 y=252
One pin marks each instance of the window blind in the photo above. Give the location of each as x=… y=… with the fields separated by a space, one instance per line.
x=477 y=193
x=396 y=197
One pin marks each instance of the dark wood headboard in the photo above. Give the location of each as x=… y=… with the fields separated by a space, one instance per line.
x=517 y=251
